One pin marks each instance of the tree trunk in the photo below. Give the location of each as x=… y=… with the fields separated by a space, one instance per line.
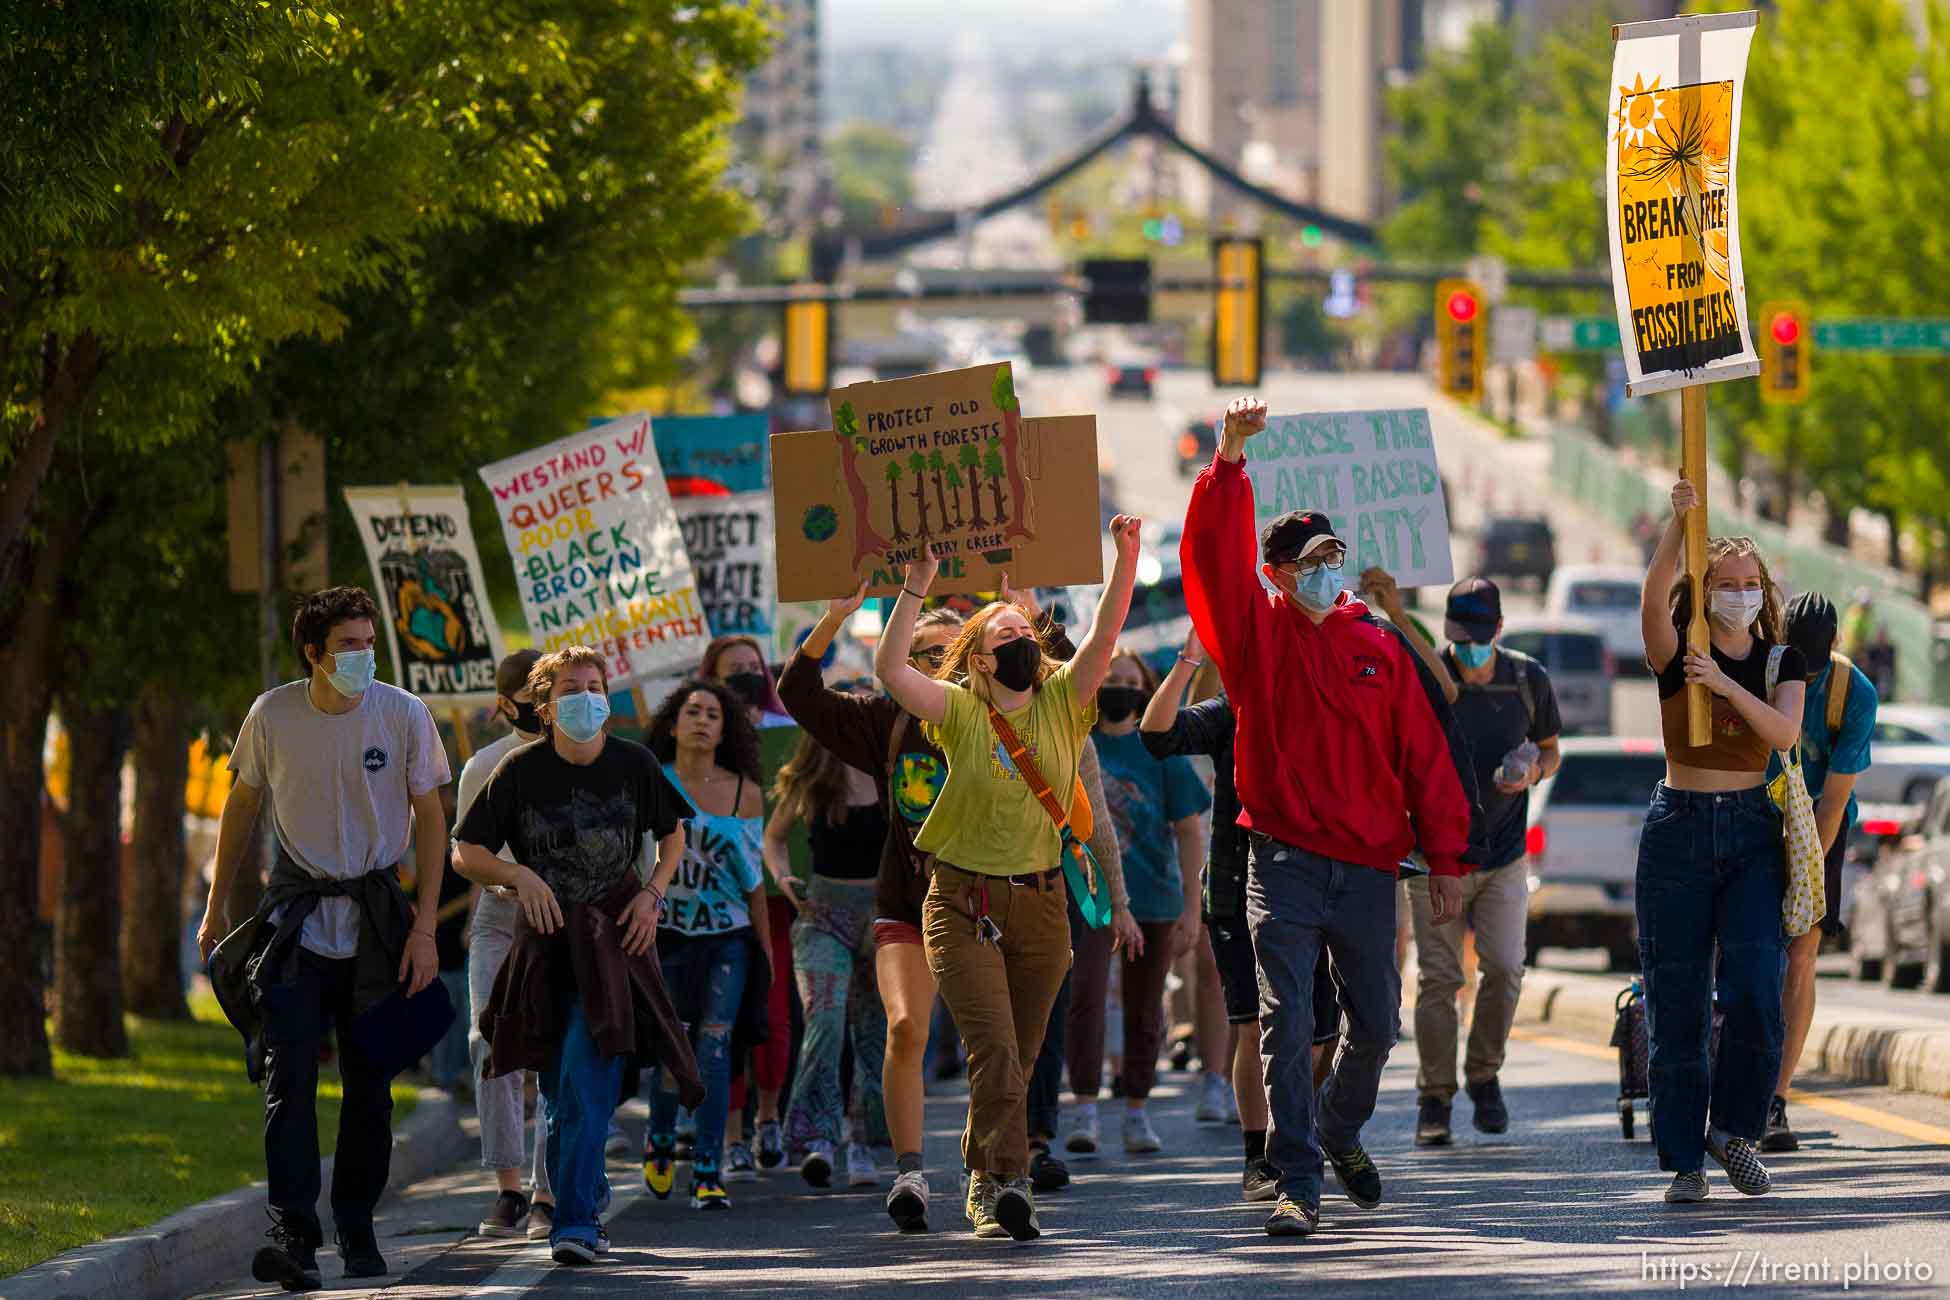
x=152 y=922
x=67 y=378
x=1895 y=522
x=88 y=929
x=1834 y=529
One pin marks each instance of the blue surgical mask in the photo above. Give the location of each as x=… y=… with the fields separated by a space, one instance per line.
x=1319 y=590
x=581 y=716
x=352 y=672
x=1473 y=654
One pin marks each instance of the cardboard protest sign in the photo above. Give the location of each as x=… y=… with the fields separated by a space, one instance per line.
x=730 y=543
x=426 y=574
x=1670 y=157
x=709 y=455
x=1374 y=474
x=599 y=556
x=937 y=459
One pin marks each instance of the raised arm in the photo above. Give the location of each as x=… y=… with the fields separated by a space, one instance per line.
x=1219 y=551
x=853 y=727
x=1092 y=660
x=1162 y=712
x=1387 y=593
x=915 y=691
x=1655 y=599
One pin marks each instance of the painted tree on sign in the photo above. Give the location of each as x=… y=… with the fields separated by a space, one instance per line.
x=893 y=476
x=853 y=445
x=994 y=467
x=953 y=477
x=917 y=465
x=936 y=464
x=970 y=457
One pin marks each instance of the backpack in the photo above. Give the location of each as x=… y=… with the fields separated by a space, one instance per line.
x=1841 y=674
x=1526 y=670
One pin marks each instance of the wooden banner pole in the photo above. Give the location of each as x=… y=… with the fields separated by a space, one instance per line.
x=462 y=742
x=1692 y=424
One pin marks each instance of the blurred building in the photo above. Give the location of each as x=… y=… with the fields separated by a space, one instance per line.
x=777 y=133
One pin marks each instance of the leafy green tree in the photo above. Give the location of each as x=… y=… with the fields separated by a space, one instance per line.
x=1450 y=153
x=873 y=169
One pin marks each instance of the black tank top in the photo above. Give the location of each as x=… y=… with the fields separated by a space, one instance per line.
x=849 y=850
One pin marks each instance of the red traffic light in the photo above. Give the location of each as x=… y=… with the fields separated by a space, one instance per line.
x=1785 y=327
x=1462 y=306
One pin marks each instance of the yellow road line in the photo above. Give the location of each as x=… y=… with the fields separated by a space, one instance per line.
x=1850 y=1110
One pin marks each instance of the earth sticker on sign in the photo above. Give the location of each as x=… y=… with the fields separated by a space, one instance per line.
x=1673 y=147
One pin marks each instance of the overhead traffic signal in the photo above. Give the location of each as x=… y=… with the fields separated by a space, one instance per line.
x=1461 y=338
x=808 y=331
x=1117 y=291
x=1785 y=344
x=1238 y=309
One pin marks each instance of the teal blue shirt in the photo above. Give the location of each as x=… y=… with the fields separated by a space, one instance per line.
x=1146 y=795
x=1847 y=751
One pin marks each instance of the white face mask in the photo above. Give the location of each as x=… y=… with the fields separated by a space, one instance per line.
x=1735 y=610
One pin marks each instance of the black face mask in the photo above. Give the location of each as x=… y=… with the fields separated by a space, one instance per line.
x=1016 y=663
x=749 y=687
x=1117 y=703
x=526 y=719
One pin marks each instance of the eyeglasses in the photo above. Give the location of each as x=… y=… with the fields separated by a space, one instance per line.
x=933 y=657
x=1313 y=564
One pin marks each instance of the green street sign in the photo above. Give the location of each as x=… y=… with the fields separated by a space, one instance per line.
x=1879 y=334
x=1578 y=334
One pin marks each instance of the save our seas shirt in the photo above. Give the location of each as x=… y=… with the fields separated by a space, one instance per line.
x=985 y=819
x=580 y=827
x=1147 y=796
x=721 y=867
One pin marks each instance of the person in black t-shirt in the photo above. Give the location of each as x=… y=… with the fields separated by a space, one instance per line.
x=1712 y=861
x=1507 y=713
x=577 y=811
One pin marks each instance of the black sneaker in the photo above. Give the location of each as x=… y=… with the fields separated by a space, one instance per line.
x=1291 y=1218
x=291 y=1260
x=1046 y=1172
x=1687 y=1189
x=1744 y=1169
x=1359 y=1178
x=507 y=1217
x=1778 y=1137
x=1492 y=1116
x=1015 y=1210
x=359 y=1251
x=1432 y=1123
x=1260 y=1182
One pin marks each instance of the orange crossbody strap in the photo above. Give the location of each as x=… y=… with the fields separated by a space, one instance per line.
x=1033 y=775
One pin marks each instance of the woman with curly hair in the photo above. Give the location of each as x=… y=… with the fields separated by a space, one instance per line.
x=714 y=940
x=1711 y=859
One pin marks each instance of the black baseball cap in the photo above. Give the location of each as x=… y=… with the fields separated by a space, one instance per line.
x=1295 y=535
x=1811 y=623
x=1475 y=608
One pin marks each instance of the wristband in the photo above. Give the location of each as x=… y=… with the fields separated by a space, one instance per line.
x=917 y=595
x=1196 y=663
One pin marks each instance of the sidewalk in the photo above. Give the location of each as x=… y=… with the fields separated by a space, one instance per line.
x=196 y=1248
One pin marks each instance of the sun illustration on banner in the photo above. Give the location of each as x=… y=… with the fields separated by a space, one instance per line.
x=1639 y=107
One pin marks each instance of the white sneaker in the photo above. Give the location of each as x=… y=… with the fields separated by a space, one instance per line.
x=1139 y=1137
x=860 y=1171
x=1212 y=1098
x=1083 y=1131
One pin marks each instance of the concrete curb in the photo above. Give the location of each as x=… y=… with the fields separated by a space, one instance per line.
x=1915 y=1060
x=200 y=1247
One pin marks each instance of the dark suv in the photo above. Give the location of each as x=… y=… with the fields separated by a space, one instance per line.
x=1518 y=547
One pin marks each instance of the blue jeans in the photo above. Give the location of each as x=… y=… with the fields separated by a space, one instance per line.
x=1711 y=872
x=1296 y=903
x=581 y=1088
x=706 y=979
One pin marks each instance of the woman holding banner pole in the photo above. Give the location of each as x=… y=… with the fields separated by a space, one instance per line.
x=996 y=922
x=1712 y=859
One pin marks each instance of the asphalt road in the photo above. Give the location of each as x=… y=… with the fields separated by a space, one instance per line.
x=1560 y=1204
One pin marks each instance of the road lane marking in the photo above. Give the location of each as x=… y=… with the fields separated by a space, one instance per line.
x=1850 y=1110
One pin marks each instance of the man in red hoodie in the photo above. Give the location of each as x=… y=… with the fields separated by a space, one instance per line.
x=1342 y=769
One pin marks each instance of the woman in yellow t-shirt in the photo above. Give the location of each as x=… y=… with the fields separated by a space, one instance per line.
x=995 y=925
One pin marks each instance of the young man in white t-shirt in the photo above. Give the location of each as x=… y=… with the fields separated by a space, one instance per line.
x=353 y=768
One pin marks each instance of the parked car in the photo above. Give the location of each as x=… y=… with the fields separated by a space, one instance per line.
x=1583 y=846
x=1517 y=546
x=1608 y=595
x=1911 y=754
x=1196 y=445
x=1573 y=652
x=1132 y=379
x=1899 y=929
